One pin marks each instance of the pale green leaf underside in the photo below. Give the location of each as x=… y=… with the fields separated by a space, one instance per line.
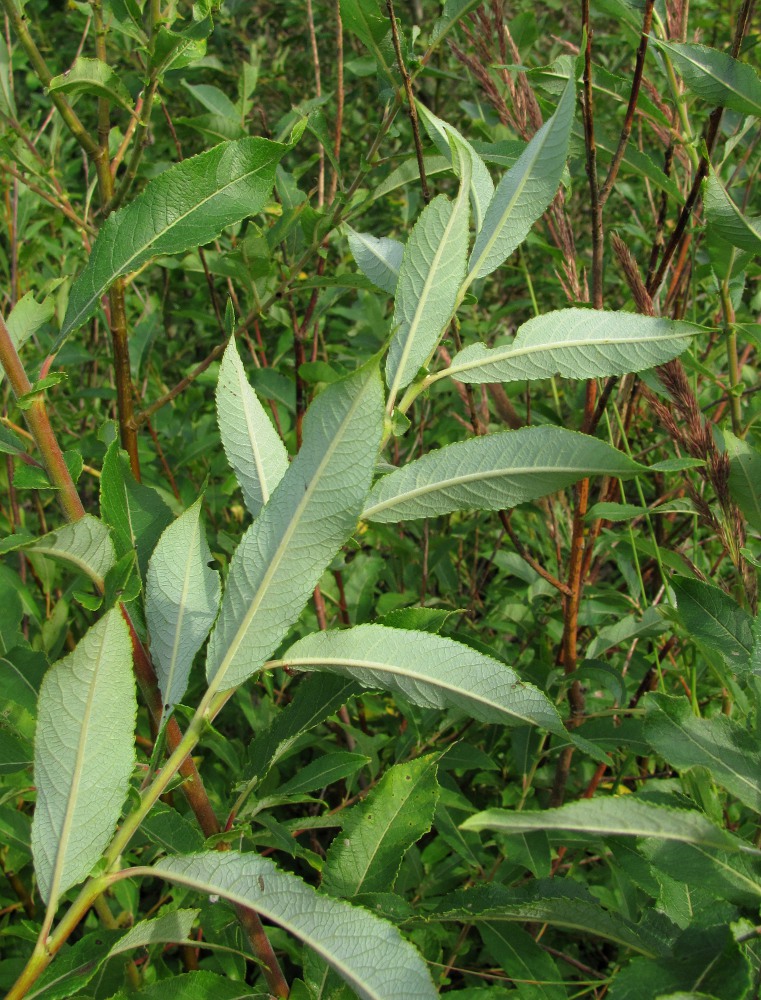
x=726 y=221
x=619 y=816
x=84 y=544
x=311 y=514
x=253 y=448
x=575 y=343
x=493 y=473
x=716 y=76
x=181 y=602
x=377 y=832
x=175 y=925
x=430 y=670
x=378 y=258
x=84 y=754
x=186 y=206
x=727 y=749
x=432 y=269
x=525 y=191
x=369 y=953
x=481 y=184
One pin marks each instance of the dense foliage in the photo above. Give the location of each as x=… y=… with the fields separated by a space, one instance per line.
x=381 y=500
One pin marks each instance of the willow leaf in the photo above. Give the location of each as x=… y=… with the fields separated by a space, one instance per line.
x=92 y=76
x=725 y=219
x=84 y=754
x=432 y=270
x=716 y=76
x=428 y=669
x=369 y=953
x=493 y=473
x=186 y=206
x=378 y=832
x=525 y=191
x=575 y=343
x=378 y=258
x=84 y=544
x=613 y=816
x=181 y=602
x=311 y=513
x=253 y=448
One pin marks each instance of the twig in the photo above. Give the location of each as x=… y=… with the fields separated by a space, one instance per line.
x=410 y=100
x=200 y=368
x=318 y=93
x=340 y=97
x=526 y=556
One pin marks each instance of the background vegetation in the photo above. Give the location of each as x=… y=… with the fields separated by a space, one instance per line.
x=608 y=580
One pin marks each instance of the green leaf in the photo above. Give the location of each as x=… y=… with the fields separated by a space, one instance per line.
x=174 y=925
x=10 y=443
x=253 y=448
x=323 y=771
x=716 y=77
x=493 y=472
x=481 y=185
x=432 y=270
x=725 y=219
x=525 y=191
x=84 y=754
x=364 y=19
x=370 y=954
x=744 y=477
x=733 y=877
x=558 y=902
x=430 y=670
x=135 y=512
x=182 y=596
x=453 y=11
x=84 y=544
x=15 y=753
x=714 y=618
x=614 y=816
x=186 y=206
x=315 y=699
x=92 y=76
x=26 y=318
x=376 y=834
x=523 y=960
x=727 y=749
x=310 y=515
x=200 y=985
x=171 y=831
x=575 y=343
x=379 y=259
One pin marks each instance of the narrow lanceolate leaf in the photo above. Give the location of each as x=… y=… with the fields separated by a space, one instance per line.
x=92 y=76
x=728 y=750
x=525 y=191
x=430 y=670
x=715 y=619
x=725 y=219
x=377 y=833
x=716 y=76
x=557 y=902
x=433 y=267
x=313 y=511
x=369 y=953
x=493 y=473
x=85 y=545
x=84 y=753
x=614 y=816
x=184 y=207
x=481 y=184
x=378 y=258
x=251 y=443
x=172 y=926
x=745 y=477
x=575 y=343
x=181 y=602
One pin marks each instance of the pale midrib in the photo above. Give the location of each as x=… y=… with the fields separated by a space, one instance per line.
x=70 y=557
x=189 y=574
x=379 y=842
x=71 y=801
x=488 y=246
x=287 y=923
x=175 y=222
x=497 y=357
x=471 y=477
x=378 y=256
x=246 y=393
x=389 y=668
x=711 y=75
x=715 y=757
x=422 y=302
x=281 y=550
x=580 y=826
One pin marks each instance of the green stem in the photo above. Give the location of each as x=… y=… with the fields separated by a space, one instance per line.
x=732 y=359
